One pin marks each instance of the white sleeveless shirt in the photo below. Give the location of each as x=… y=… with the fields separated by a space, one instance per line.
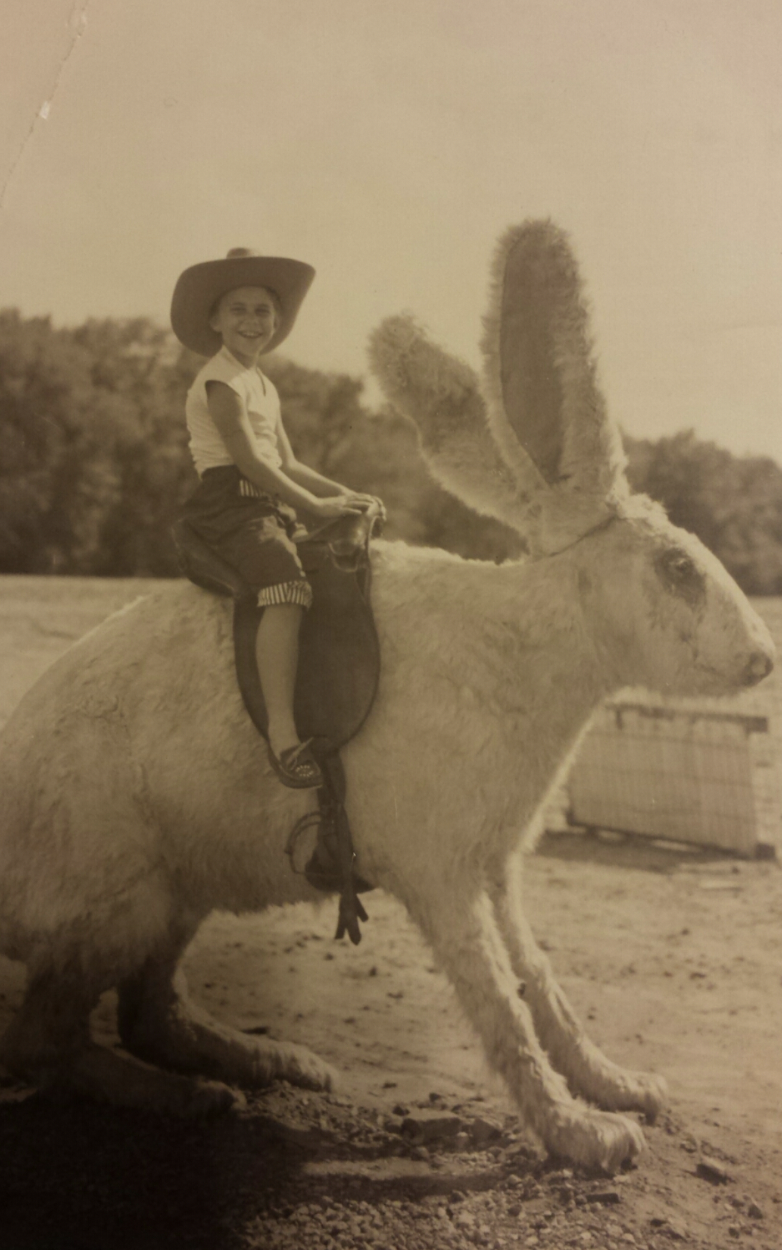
x=260 y=399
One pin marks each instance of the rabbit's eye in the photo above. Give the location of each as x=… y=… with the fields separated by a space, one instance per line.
x=680 y=575
x=681 y=567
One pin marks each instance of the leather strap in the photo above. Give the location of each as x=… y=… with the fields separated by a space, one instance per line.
x=339 y=668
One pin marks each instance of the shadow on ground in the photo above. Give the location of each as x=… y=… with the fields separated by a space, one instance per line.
x=616 y=850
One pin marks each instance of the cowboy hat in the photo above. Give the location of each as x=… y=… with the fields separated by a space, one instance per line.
x=201 y=286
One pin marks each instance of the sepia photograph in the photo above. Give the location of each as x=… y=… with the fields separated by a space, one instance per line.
x=390 y=606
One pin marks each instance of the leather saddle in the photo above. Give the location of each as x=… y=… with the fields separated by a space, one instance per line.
x=338 y=673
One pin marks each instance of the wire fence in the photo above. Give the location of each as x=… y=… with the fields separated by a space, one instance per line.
x=679 y=774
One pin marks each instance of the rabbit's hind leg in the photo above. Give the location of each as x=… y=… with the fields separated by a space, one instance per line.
x=159 y=1023
x=48 y=1043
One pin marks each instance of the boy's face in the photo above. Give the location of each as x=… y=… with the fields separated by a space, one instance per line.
x=246 y=318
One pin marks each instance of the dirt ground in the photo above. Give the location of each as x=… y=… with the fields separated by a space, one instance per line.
x=672 y=959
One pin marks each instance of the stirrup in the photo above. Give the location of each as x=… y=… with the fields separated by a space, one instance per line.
x=297 y=767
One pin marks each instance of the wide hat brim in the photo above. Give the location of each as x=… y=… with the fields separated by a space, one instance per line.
x=200 y=286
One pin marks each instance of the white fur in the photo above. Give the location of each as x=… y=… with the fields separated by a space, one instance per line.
x=137 y=798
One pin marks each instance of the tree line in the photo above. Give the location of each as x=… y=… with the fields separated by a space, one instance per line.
x=94 y=464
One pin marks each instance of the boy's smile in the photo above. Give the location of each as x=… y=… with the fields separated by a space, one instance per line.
x=246 y=318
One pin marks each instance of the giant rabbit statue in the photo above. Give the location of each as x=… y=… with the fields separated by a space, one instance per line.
x=136 y=797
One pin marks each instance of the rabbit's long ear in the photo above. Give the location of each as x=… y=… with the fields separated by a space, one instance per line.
x=544 y=402
x=442 y=397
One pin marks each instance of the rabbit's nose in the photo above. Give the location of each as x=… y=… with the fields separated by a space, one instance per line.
x=758 y=666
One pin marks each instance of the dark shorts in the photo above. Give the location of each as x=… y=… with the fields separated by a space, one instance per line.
x=255 y=533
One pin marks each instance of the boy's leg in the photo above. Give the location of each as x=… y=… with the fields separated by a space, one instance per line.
x=255 y=535
x=277 y=654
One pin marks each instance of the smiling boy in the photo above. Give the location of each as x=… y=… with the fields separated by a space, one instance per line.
x=235 y=310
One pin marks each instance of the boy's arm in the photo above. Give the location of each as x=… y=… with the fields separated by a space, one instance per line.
x=310 y=478
x=230 y=417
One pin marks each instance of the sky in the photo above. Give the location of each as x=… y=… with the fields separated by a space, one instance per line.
x=390 y=144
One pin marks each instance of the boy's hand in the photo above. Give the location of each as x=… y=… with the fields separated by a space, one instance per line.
x=365 y=502
x=370 y=501
x=340 y=505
